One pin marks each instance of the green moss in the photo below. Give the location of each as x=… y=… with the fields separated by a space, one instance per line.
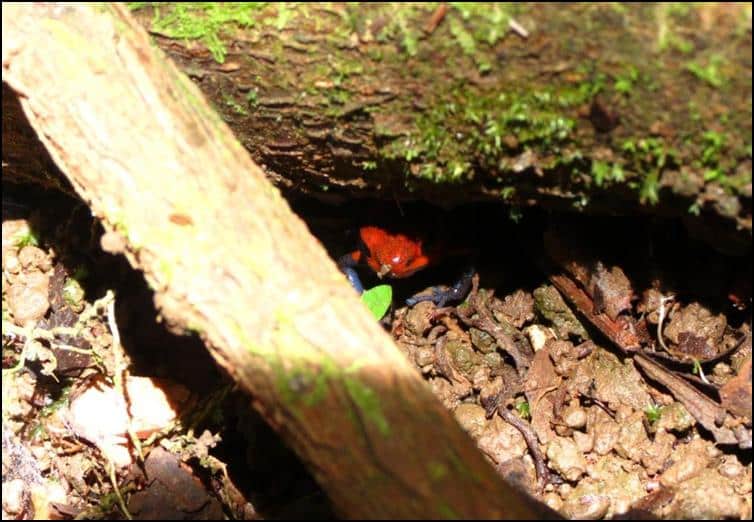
x=604 y=173
x=713 y=142
x=710 y=73
x=625 y=83
x=252 y=98
x=73 y=293
x=477 y=27
x=448 y=512
x=368 y=402
x=646 y=158
x=437 y=470
x=207 y=21
x=474 y=28
x=233 y=105
x=523 y=409
x=486 y=128
x=26 y=238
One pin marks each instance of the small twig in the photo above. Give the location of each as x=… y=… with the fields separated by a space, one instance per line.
x=437 y=17
x=518 y=28
x=21 y=359
x=120 y=370
x=543 y=475
x=661 y=319
x=118 y=494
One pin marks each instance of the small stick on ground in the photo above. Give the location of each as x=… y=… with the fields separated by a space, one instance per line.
x=436 y=18
x=543 y=475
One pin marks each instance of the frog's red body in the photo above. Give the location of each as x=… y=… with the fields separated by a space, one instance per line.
x=398 y=256
x=390 y=255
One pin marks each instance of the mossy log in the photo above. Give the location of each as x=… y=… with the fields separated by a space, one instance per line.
x=601 y=108
x=228 y=259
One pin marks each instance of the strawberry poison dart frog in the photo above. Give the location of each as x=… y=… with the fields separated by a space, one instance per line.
x=398 y=256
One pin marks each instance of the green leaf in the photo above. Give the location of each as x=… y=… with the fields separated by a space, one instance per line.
x=378 y=299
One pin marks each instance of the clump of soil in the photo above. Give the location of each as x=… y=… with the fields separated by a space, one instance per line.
x=603 y=395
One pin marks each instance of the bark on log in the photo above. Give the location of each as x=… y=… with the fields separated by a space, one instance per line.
x=156 y=164
x=600 y=108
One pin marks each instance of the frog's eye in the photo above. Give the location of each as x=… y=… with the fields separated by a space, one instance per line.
x=396 y=260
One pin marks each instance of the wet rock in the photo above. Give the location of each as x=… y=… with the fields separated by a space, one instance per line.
x=516 y=309
x=707 y=496
x=565 y=458
x=501 y=442
x=462 y=357
x=611 y=291
x=482 y=341
x=584 y=441
x=675 y=417
x=418 y=318
x=472 y=418
x=616 y=479
x=688 y=461
x=632 y=439
x=538 y=336
x=602 y=376
x=28 y=298
x=586 y=507
x=693 y=324
x=604 y=430
x=657 y=454
x=574 y=416
x=550 y=305
x=32 y=257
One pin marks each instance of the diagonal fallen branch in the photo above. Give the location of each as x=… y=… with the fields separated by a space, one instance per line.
x=227 y=258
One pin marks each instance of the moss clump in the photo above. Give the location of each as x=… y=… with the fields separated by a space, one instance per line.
x=471 y=128
x=710 y=73
x=205 y=21
x=647 y=158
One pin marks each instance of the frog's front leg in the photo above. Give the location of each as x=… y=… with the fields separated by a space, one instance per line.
x=457 y=292
x=347 y=265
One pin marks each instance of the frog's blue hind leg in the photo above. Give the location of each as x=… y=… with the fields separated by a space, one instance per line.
x=346 y=264
x=457 y=292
